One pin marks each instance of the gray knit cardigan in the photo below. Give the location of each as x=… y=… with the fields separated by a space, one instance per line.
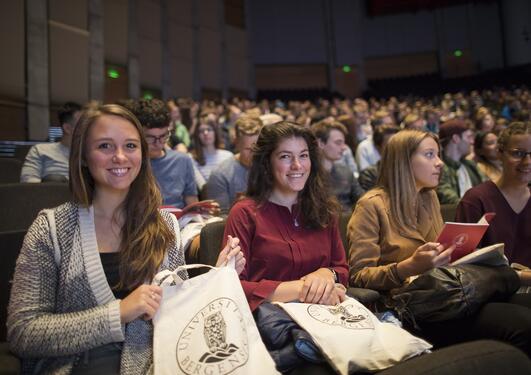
x=61 y=304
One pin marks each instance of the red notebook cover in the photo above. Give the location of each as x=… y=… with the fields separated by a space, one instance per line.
x=465 y=236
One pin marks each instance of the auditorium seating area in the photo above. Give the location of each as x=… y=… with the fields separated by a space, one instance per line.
x=21 y=202
x=389 y=112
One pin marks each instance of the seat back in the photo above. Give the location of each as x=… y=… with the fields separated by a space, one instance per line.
x=211 y=238
x=22 y=202
x=10 y=170
x=10 y=244
x=344 y=218
x=21 y=151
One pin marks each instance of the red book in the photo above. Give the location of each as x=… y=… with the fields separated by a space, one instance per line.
x=465 y=236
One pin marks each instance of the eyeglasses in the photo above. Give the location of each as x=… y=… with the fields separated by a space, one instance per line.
x=517 y=154
x=151 y=139
x=205 y=130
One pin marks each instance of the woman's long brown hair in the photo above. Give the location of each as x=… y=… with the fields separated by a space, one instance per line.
x=396 y=178
x=145 y=236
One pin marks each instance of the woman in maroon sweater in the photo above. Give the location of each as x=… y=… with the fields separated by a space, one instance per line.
x=288 y=225
x=508 y=196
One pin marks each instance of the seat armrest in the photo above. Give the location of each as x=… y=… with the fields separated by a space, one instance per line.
x=9 y=364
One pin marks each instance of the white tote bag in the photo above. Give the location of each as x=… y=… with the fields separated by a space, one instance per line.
x=352 y=338
x=204 y=326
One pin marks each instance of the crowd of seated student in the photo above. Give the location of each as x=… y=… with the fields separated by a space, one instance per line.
x=393 y=225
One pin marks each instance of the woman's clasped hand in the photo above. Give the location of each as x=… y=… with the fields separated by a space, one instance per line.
x=320 y=287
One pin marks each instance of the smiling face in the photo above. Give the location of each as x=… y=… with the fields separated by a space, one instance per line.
x=515 y=168
x=113 y=153
x=426 y=164
x=290 y=166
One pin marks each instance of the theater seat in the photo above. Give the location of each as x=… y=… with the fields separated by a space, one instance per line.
x=448 y=212
x=10 y=170
x=9 y=364
x=10 y=244
x=21 y=202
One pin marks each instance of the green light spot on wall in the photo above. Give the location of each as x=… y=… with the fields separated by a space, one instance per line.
x=346 y=69
x=113 y=73
x=458 y=53
x=147 y=95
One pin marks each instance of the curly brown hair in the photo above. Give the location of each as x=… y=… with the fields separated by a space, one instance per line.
x=318 y=206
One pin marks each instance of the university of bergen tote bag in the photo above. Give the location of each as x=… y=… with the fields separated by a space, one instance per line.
x=204 y=326
x=352 y=338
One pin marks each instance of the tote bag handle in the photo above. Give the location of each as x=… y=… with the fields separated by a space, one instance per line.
x=168 y=277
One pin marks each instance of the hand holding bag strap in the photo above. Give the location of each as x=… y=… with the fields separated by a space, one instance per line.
x=168 y=277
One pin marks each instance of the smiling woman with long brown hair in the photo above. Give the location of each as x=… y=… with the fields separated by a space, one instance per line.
x=288 y=223
x=82 y=298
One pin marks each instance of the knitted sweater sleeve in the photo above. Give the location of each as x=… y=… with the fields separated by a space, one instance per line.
x=175 y=251
x=34 y=328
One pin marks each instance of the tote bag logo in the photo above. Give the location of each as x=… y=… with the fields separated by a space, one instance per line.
x=461 y=239
x=214 y=341
x=347 y=316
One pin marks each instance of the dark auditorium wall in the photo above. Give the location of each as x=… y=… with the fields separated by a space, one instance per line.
x=68 y=49
x=61 y=50
x=404 y=44
x=12 y=91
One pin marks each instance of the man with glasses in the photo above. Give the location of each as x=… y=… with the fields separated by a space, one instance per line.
x=173 y=170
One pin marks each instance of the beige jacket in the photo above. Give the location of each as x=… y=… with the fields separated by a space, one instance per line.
x=376 y=245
